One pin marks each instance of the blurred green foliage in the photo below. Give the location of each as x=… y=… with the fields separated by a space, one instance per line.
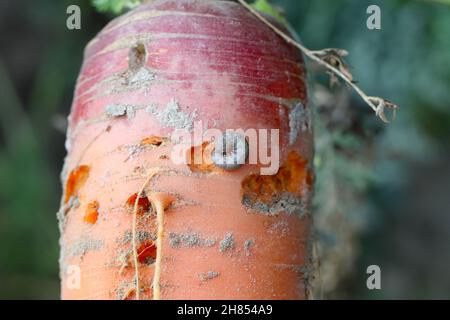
x=114 y=6
x=39 y=62
x=407 y=61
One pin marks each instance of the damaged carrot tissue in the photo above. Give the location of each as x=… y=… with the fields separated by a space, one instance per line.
x=91 y=215
x=289 y=178
x=200 y=158
x=76 y=180
x=147 y=252
x=144 y=204
x=153 y=140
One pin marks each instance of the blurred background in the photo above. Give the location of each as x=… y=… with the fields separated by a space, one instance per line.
x=382 y=193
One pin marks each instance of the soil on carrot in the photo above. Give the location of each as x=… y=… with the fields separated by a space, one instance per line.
x=119 y=110
x=227 y=242
x=84 y=245
x=124 y=252
x=141 y=236
x=205 y=276
x=172 y=116
x=189 y=239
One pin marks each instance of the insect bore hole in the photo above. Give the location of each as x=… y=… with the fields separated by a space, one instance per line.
x=137 y=57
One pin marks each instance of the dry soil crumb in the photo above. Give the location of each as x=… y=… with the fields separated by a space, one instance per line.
x=84 y=245
x=141 y=78
x=210 y=242
x=131 y=112
x=172 y=116
x=227 y=242
x=205 y=276
x=141 y=236
x=174 y=240
x=189 y=239
x=120 y=110
x=116 y=110
x=288 y=203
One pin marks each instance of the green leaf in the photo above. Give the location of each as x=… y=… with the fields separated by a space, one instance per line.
x=115 y=6
x=265 y=7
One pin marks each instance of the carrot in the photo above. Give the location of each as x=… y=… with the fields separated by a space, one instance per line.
x=147 y=216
